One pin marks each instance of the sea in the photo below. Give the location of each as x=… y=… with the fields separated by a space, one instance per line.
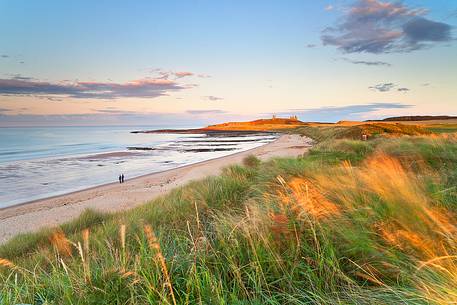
x=40 y=162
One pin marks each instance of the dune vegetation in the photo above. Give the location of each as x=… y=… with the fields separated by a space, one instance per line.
x=258 y=125
x=350 y=222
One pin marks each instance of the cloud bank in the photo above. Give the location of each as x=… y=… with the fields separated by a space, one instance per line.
x=143 y=88
x=350 y=112
x=374 y=26
x=118 y=117
x=195 y=118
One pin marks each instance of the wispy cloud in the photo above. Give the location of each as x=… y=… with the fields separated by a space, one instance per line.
x=375 y=26
x=182 y=74
x=213 y=98
x=203 y=75
x=167 y=74
x=21 y=77
x=211 y=111
x=115 y=111
x=329 y=7
x=143 y=88
x=366 y=63
x=385 y=87
x=310 y=45
x=4 y=56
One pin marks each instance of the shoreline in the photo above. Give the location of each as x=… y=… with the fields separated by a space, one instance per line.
x=116 y=183
x=112 y=197
x=207 y=131
x=104 y=163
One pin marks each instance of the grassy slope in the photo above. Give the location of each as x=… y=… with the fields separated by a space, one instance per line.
x=352 y=222
x=258 y=125
x=442 y=128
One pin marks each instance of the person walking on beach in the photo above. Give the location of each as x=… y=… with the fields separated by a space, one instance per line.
x=122 y=178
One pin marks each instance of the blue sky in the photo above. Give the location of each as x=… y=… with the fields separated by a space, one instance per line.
x=115 y=62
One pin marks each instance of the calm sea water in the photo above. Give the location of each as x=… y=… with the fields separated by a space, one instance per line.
x=41 y=162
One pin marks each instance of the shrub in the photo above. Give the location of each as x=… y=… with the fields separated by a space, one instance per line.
x=251 y=161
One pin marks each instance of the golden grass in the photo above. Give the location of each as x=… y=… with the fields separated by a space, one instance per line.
x=258 y=125
x=301 y=196
x=155 y=246
x=61 y=243
x=122 y=231
x=414 y=225
x=85 y=234
x=7 y=263
x=248 y=127
x=372 y=226
x=390 y=128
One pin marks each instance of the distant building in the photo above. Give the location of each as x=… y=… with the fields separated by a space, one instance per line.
x=291 y=118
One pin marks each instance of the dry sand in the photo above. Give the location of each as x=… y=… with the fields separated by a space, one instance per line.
x=115 y=197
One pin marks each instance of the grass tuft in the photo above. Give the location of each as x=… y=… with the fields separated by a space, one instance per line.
x=251 y=161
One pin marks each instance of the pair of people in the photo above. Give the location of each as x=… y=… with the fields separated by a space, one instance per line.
x=121 y=178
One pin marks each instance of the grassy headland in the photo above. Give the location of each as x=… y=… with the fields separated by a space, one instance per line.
x=351 y=222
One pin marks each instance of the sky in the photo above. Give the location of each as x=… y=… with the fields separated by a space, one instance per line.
x=197 y=62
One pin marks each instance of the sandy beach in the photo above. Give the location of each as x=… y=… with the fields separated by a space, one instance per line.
x=113 y=197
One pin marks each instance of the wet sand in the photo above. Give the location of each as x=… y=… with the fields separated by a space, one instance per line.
x=116 y=154
x=114 y=197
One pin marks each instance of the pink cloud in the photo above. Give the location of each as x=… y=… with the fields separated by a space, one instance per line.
x=183 y=74
x=142 y=88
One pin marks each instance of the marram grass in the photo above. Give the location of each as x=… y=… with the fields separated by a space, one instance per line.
x=350 y=223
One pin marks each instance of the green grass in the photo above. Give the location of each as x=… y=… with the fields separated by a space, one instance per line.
x=442 y=128
x=25 y=244
x=372 y=130
x=351 y=222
